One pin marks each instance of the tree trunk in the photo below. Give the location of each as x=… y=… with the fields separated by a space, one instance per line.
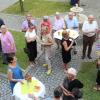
x=21 y=5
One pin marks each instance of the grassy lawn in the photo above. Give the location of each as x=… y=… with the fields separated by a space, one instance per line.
x=87 y=75
x=22 y=57
x=38 y=7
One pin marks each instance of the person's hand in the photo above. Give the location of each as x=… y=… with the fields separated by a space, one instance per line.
x=21 y=81
x=96 y=31
x=43 y=44
x=33 y=97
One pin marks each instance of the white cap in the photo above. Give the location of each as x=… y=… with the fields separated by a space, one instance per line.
x=45 y=17
x=72 y=71
x=57 y=13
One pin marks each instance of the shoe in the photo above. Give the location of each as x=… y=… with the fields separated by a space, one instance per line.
x=83 y=57
x=49 y=71
x=75 y=52
x=45 y=65
x=96 y=88
x=89 y=57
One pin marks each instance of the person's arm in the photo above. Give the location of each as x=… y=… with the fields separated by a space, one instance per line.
x=11 y=40
x=66 y=92
x=79 y=84
x=24 y=28
x=66 y=47
x=50 y=42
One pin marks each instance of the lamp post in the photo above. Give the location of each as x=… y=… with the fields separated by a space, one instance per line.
x=21 y=5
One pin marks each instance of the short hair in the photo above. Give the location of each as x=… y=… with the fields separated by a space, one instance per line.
x=70 y=13
x=58 y=92
x=10 y=58
x=64 y=33
x=91 y=16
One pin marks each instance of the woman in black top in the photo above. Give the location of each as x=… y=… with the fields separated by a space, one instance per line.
x=66 y=49
x=71 y=85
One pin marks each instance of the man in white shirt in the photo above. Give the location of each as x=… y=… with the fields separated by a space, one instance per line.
x=89 y=29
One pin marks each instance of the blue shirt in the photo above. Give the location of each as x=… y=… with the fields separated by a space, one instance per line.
x=72 y=23
x=16 y=74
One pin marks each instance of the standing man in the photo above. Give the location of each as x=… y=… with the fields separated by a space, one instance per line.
x=58 y=25
x=89 y=29
x=25 y=23
x=71 y=22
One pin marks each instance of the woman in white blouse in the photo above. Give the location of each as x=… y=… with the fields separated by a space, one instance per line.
x=31 y=44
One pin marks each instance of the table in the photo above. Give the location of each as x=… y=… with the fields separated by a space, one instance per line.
x=21 y=91
x=72 y=34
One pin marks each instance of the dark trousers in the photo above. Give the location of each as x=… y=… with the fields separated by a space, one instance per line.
x=88 y=42
x=32 y=50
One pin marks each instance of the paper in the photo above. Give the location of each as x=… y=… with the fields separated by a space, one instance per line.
x=30 y=87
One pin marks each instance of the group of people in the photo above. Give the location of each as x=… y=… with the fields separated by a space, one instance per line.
x=29 y=27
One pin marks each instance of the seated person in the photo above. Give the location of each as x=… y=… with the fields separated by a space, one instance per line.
x=97 y=87
x=71 y=86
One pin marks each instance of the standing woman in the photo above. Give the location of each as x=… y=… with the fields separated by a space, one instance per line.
x=31 y=44
x=47 y=42
x=66 y=49
x=14 y=71
x=7 y=43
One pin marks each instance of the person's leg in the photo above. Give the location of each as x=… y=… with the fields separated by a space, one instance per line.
x=91 y=40
x=58 y=43
x=85 y=43
x=4 y=56
x=30 y=54
x=65 y=66
x=47 y=59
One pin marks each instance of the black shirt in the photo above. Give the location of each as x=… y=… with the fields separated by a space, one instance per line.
x=70 y=85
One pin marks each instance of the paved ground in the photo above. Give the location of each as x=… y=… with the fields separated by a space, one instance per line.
x=14 y=22
x=6 y=3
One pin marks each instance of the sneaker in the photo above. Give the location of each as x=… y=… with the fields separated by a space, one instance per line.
x=83 y=57
x=75 y=52
x=45 y=65
x=49 y=71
